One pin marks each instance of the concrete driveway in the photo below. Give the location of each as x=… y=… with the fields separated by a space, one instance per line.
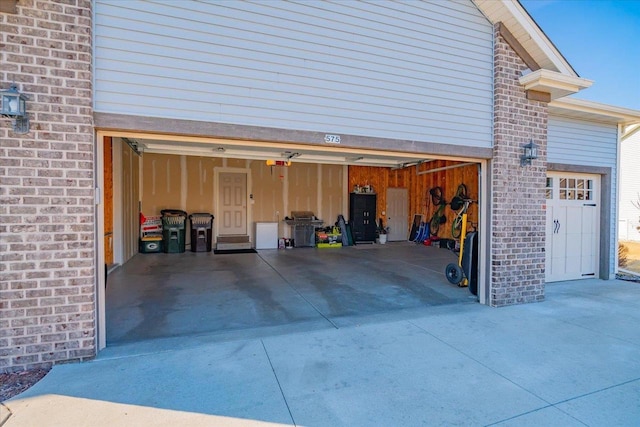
x=573 y=360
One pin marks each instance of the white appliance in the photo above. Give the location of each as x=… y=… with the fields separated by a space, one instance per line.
x=266 y=235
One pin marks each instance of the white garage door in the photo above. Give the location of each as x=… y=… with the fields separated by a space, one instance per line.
x=572 y=226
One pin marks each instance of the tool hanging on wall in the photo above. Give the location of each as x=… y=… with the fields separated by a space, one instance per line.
x=273 y=163
x=278 y=162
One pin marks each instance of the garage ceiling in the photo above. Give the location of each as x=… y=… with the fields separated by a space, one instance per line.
x=254 y=150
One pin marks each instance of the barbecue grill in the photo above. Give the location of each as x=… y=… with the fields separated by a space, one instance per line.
x=303 y=225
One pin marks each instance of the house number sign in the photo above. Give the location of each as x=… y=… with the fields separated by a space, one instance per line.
x=332 y=139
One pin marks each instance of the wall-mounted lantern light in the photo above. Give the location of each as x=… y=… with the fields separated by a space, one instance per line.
x=530 y=153
x=14 y=106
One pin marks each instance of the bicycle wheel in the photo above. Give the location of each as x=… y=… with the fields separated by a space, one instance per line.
x=456 y=227
x=434 y=225
x=436 y=196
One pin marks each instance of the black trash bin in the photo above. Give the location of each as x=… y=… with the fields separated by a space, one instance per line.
x=201 y=225
x=173 y=230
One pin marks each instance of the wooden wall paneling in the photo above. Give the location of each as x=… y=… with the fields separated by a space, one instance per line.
x=303 y=190
x=199 y=185
x=161 y=183
x=134 y=214
x=130 y=202
x=449 y=180
x=162 y=186
x=412 y=181
x=267 y=184
x=108 y=200
x=235 y=163
x=332 y=193
x=126 y=200
x=375 y=176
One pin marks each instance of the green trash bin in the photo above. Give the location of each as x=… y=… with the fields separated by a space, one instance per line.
x=173 y=230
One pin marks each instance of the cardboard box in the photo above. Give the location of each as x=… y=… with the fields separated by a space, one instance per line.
x=329 y=238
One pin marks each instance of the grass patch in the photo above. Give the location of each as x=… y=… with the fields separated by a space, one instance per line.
x=632 y=255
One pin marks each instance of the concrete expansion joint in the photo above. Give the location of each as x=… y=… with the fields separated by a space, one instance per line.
x=533 y=411
x=298 y=292
x=556 y=404
x=582 y=326
x=600 y=390
x=130 y=356
x=481 y=363
x=5 y=414
x=275 y=375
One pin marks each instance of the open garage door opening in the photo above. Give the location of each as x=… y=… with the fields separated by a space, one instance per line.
x=261 y=289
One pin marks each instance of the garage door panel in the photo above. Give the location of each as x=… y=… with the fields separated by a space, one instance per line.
x=588 y=265
x=588 y=244
x=557 y=267
x=588 y=218
x=572 y=227
x=573 y=245
x=573 y=265
x=573 y=220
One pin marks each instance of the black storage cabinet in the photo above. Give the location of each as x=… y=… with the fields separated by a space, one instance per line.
x=362 y=216
x=201 y=225
x=173 y=230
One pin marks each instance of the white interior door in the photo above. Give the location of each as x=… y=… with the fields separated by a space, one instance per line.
x=233 y=203
x=572 y=227
x=397 y=214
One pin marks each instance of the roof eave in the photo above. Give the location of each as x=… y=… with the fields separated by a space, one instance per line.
x=556 y=84
x=526 y=30
x=623 y=116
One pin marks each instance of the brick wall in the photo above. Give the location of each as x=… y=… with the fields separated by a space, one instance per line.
x=518 y=218
x=47 y=276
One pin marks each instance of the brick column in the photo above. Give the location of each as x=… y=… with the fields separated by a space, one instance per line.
x=47 y=271
x=518 y=218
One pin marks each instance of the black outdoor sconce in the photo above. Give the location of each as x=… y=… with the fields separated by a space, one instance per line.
x=530 y=153
x=14 y=106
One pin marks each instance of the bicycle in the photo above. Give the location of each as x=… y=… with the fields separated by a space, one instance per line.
x=462 y=205
x=459 y=203
x=438 y=217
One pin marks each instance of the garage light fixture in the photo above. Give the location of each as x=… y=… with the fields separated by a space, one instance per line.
x=290 y=155
x=14 y=106
x=530 y=153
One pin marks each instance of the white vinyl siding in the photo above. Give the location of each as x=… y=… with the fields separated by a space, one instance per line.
x=577 y=142
x=629 y=188
x=407 y=70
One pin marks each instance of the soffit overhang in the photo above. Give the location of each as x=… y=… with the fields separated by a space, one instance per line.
x=518 y=21
x=557 y=85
